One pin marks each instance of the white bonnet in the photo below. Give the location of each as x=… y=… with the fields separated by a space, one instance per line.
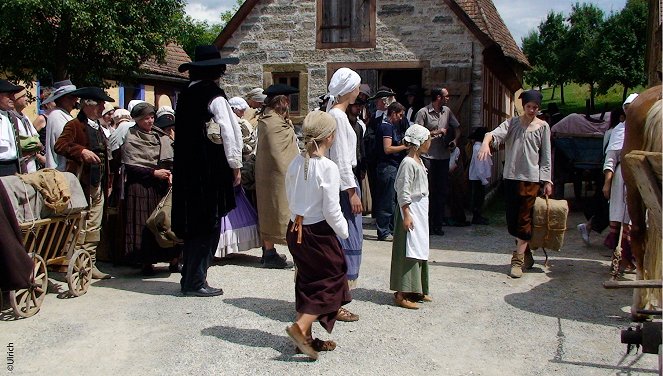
x=416 y=134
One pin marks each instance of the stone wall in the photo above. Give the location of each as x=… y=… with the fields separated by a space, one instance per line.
x=278 y=32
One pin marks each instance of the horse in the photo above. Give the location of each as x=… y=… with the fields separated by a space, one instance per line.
x=642 y=132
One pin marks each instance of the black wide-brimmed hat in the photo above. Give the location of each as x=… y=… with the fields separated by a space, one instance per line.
x=94 y=93
x=8 y=87
x=280 y=89
x=207 y=56
x=382 y=94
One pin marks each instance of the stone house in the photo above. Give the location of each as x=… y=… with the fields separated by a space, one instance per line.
x=463 y=45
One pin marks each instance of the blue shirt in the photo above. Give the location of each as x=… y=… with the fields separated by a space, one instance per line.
x=388 y=130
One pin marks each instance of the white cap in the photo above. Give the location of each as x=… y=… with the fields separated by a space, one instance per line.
x=163 y=110
x=132 y=103
x=238 y=103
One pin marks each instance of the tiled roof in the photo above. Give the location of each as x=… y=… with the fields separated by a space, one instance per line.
x=175 y=56
x=486 y=17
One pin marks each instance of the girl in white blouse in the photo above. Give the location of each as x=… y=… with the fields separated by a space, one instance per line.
x=312 y=186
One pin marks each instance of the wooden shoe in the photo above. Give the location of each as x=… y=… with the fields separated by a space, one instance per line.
x=299 y=339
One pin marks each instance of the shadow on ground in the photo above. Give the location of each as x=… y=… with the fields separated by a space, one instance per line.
x=373 y=296
x=257 y=338
x=275 y=309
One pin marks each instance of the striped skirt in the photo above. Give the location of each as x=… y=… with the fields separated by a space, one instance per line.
x=353 y=244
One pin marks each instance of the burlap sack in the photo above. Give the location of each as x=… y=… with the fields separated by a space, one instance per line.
x=549 y=223
x=159 y=223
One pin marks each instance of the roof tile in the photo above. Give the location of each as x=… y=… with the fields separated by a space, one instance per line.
x=175 y=56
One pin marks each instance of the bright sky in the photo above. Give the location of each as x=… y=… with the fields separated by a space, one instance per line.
x=520 y=16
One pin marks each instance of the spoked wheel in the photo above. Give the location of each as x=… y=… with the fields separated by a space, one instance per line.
x=27 y=302
x=79 y=273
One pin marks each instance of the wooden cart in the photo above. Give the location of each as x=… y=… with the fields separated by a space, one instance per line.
x=50 y=243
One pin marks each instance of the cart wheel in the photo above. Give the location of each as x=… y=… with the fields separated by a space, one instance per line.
x=27 y=302
x=79 y=273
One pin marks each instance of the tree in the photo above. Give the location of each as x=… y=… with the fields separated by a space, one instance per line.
x=552 y=34
x=584 y=38
x=86 y=41
x=533 y=49
x=194 y=33
x=623 y=44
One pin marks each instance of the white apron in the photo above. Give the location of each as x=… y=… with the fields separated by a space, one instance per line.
x=417 y=241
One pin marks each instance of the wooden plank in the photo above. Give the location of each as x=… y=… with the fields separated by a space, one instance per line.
x=647 y=185
x=642 y=283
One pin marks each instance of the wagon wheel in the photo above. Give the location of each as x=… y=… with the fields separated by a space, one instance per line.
x=79 y=273
x=27 y=302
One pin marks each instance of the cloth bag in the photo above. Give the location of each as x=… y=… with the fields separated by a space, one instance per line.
x=549 y=223
x=159 y=222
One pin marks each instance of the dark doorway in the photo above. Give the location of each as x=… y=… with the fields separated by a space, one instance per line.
x=398 y=80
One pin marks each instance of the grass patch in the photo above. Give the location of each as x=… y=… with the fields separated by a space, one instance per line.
x=575 y=96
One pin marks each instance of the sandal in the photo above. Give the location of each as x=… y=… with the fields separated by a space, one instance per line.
x=320 y=345
x=303 y=344
x=345 y=315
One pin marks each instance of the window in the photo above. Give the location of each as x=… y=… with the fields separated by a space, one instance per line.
x=290 y=79
x=345 y=24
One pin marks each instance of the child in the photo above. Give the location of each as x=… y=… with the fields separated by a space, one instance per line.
x=480 y=172
x=409 y=252
x=312 y=187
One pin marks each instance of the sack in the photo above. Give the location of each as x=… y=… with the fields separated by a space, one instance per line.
x=214 y=132
x=29 y=144
x=160 y=223
x=549 y=223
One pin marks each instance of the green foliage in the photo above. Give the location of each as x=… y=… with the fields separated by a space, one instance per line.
x=84 y=40
x=194 y=33
x=624 y=38
x=576 y=95
x=533 y=49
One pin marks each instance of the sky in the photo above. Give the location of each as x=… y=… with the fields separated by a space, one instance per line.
x=520 y=16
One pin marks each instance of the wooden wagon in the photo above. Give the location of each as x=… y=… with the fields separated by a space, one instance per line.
x=50 y=243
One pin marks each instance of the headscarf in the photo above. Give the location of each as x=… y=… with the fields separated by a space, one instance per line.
x=531 y=96
x=120 y=115
x=238 y=103
x=617 y=135
x=416 y=134
x=165 y=110
x=342 y=82
x=317 y=126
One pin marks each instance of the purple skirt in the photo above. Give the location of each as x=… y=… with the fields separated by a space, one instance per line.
x=239 y=228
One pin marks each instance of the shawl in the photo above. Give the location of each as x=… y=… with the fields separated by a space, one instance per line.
x=147 y=149
x=278 y=147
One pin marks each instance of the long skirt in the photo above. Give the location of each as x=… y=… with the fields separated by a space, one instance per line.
x=321 y=285
x=140 y=200
x=353 y=244
x=239 y=228
x=407 y=274
x=520 y=197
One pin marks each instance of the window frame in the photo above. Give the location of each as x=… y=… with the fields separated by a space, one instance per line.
x=319 y=44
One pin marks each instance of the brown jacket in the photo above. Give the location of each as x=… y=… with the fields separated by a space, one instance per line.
x=71 y=143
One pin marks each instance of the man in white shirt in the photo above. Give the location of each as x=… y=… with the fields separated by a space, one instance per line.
x=57 y=118
x=9 y=148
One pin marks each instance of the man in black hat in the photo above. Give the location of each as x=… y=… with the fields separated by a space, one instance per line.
x=65 y=101
x=354 y=112
x=445 y=132
x=10 y=151
x=84 y=144
x=414 y=102
x=204 y=172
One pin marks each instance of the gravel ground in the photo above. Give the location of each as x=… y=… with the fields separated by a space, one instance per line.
x=555 y=320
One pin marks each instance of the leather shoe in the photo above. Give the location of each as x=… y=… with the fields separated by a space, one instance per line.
x=204 y=292
x=98 y=274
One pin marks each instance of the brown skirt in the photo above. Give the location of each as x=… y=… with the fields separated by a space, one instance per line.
x=520 y=197
x=321 y=285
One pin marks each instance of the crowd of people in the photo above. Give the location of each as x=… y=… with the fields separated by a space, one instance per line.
x=239 y=177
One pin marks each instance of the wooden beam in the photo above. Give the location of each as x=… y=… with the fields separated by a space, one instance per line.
x=641 y=283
